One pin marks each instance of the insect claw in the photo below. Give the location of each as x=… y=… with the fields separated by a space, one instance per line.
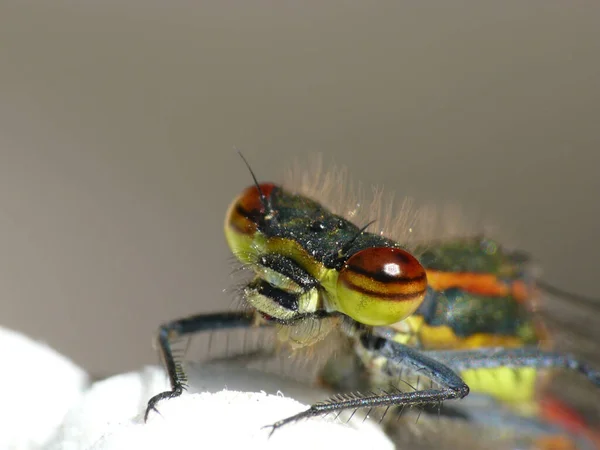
x=151 y=408
x=302 y=415
x=272 y=427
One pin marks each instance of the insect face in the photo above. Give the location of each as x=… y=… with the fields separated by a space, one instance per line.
x=310 y=262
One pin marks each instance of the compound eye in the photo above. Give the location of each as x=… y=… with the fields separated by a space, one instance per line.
x=381 y=286
x=245 y=210
x=243 y=217
x=249 y=201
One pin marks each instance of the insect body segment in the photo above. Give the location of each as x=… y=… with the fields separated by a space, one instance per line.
x=479 y=297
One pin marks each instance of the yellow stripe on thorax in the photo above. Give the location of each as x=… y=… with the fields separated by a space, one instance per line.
x=503 y=383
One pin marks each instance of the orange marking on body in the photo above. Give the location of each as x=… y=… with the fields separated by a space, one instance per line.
x=477 y=283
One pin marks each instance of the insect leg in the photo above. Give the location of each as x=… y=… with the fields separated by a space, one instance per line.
x=397 y=357
x=182 y=327
x=487 y=358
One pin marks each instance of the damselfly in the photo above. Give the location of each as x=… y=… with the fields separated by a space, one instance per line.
x=424 y=321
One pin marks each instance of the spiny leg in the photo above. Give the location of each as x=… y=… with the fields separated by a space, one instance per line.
x=398 y=356
x=439 y=367
x=182 y=327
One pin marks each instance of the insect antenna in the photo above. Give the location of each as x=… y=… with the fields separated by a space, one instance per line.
x=263 y=198
x=342 y=251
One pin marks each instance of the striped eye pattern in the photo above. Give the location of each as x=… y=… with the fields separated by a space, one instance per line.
x=381 y=286
x=247 y=210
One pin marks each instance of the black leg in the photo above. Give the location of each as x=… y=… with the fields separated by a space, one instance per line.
x=397 y=356
x=182 y=327
x=440 y=367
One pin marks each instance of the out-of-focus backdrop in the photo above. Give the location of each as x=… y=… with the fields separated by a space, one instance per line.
x=118 y=119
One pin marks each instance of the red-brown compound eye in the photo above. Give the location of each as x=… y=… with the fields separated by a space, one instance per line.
x=381 y=286
x=250 y=203
x=245 y=210
x=243 y=218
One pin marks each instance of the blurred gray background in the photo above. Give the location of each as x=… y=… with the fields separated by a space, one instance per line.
x=118 y=118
